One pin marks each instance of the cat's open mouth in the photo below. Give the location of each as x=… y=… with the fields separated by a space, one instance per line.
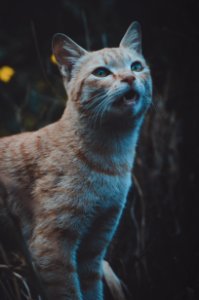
x=129 y=98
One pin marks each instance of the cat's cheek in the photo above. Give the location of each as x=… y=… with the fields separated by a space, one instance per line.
x=93 y=82
x=139 y=87
x=85 y=96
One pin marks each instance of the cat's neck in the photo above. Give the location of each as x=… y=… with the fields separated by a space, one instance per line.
x=103 y=140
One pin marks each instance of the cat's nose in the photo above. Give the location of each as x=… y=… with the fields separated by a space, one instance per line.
x=129 y=79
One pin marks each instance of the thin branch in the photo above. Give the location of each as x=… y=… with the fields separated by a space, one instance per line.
x=86 y=30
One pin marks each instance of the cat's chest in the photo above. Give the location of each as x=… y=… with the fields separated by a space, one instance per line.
x=79 y=195
x=109 y=189
x=85 y=185
x=98 y=192
x=104 y=179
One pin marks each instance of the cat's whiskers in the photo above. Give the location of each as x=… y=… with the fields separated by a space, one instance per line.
x=102 y=102
x=116 y=93
x=103 y=111
x=99 y=109
x=90 y=101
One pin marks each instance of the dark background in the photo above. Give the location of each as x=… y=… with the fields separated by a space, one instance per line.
x=156 y=249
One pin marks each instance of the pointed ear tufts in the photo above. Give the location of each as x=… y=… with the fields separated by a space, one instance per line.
x=133 y=38
x=67 y=53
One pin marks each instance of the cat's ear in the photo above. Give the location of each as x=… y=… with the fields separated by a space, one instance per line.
x=133 y=38
x=66 y=52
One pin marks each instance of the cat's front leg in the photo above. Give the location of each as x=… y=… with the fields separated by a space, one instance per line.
x=91 y=273
x=92 y=251
x=55 y=259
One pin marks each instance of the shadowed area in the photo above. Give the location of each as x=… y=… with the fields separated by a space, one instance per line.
x=156 y=249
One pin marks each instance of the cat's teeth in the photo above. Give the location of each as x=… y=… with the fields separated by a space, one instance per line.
x=129 y=101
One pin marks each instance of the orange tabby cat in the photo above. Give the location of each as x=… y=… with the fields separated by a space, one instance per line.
x=73 y=176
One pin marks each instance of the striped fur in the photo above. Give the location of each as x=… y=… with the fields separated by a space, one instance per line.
x=73 y=176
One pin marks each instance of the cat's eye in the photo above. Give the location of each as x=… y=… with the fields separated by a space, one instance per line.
x=136 y=66
x=101 y=72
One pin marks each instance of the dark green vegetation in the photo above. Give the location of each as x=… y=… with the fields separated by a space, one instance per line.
x=156 y=249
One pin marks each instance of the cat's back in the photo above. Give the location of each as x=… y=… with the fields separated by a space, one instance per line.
x=15 y=151
x=9 y=151
x=29 y=157
x=19 y=155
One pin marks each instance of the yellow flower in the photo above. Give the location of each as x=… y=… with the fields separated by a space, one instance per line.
x=6 y=73
x=53 y=59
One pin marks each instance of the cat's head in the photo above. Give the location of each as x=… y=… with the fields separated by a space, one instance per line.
x=108 y=84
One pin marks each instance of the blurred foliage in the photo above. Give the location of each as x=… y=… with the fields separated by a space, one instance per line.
x=156 y=250
x=6 y=73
